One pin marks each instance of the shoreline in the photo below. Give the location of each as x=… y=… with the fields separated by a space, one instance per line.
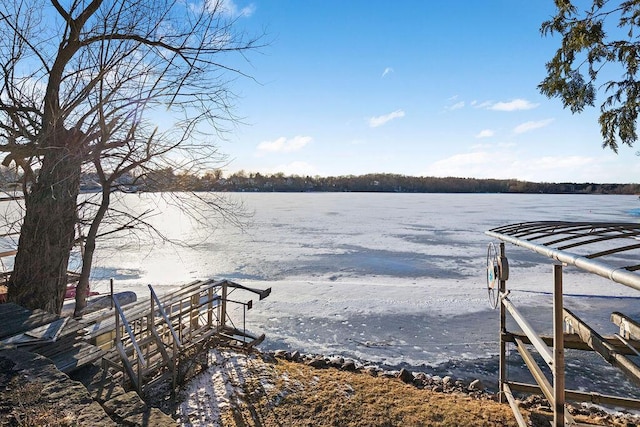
x=227 y=386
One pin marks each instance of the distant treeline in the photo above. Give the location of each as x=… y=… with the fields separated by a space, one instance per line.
x=167 y=181
x=170 y=180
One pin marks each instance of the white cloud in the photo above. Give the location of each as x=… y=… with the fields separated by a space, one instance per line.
x=515 y=105
x=483 y=104
x=565 y=163
x=284 y=145
x=374 y=122
x=531 y=125
x=507 y=164
x=485 y=133
x=387 y=71
x=230 y=8
x=456 y=106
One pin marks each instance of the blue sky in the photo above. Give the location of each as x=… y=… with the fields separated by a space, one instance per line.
x=421 y=87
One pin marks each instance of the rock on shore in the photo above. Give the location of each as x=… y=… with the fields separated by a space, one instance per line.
x=32 y=390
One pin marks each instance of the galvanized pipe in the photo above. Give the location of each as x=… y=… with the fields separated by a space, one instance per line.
x=533 y=336
x=616 y=274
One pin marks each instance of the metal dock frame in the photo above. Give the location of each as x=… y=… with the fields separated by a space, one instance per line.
x=552 y=239
x=161 y=338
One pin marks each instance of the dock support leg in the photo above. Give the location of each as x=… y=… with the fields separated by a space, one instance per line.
x=503 y=330
x=558 y=349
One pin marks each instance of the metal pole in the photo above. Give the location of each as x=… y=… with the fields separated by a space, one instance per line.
x=118 y=333
x=558 y=348
x=210 y=309
x=503 y=330
x=616 y=274
x=111 y=290
x=223 y=315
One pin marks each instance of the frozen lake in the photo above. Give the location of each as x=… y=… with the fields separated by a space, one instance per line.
x=395 y=279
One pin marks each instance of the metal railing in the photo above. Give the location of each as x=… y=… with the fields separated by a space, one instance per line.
x=151 y=339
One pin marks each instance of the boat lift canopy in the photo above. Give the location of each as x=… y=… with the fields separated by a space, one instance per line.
x=608 y=249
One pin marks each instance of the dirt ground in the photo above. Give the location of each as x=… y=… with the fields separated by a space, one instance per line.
x=284 y=393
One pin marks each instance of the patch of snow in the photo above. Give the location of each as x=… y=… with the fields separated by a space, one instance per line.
x=214 y=390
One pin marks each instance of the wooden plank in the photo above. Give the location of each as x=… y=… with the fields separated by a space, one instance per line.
x=209 y=310
x=196 y=334
x=48 y=348
x=87 y=358
x=202 y=337
x=74 y=358
x=629 y=328
x=9 y=308
x=597 y=343
x=100 y=328
x=106 y=315
x=105 y=341
x=49 y=332
x=45 y=333
x=19 y=321
x=194 y=311
x=256 y=341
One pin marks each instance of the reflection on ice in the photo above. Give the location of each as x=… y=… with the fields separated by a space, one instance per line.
x=396 y=279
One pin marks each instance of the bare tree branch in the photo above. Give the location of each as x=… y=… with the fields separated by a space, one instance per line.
x=118 y=88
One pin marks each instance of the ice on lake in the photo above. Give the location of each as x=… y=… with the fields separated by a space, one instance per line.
x=395 y=279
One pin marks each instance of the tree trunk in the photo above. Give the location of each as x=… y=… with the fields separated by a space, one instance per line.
x=89 y=249
x=39 y=277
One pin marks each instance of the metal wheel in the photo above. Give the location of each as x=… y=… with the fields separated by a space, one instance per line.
x=493 y=275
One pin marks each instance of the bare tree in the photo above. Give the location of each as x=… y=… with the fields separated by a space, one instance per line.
x=112 y=85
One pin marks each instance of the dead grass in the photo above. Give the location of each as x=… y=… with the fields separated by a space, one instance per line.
x=294 y=394
x=23 y=405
